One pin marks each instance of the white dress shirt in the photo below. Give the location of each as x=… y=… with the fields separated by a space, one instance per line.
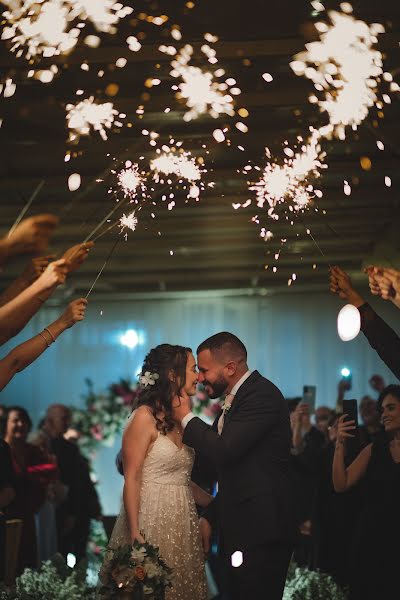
x=233 y=391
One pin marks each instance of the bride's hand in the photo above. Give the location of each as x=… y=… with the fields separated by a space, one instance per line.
x=139 y=538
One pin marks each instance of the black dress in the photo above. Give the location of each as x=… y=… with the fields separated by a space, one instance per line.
x=375 y=572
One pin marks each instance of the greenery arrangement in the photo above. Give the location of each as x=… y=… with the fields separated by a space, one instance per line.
x=103 y=415
x=136 y=570
x=52 y=581
x=303 y=584
x=55 y=581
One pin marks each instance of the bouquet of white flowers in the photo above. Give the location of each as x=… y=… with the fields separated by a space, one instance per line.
x=137 y=572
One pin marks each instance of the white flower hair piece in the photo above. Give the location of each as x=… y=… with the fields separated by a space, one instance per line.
x=149 y=378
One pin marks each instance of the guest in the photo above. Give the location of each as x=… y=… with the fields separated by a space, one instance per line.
x=16 y=313
x=35 y=269
x=374 y=563
x=333 y=515
x=31 y=236
x=30 y=492
x=7 y=495
x=379 y=335
x=371 y=419
x=82 y=503
x=307 y=442
x=24 y=354
x=385 y=282
x=377 y=383
x=323 y=416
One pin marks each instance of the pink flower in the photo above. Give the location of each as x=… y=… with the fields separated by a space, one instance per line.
x=97 y=432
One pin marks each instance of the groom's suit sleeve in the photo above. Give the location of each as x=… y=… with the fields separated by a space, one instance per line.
x=258 y=412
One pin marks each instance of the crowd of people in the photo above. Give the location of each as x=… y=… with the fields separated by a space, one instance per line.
x=45 y=483
x=345 y=476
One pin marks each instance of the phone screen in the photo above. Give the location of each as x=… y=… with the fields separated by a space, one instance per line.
x=309 y=396
x=350 y=409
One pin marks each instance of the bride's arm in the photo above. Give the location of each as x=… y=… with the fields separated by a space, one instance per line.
x=201 y=497
x=138 y=436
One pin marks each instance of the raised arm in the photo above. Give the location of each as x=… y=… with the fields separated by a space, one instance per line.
x=24 y=354
x=17 y=313
x=31 y=236
x=379 y=334
x=344 y=479
x=138 y=436
x=33 y=270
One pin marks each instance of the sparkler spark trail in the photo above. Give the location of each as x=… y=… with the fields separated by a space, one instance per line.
x=128 y=222
x=130 y=180
x=201 y=90
x=344 y=67
x=290 y=181
x=181 y=165
x=87 y=115
x=50 y=27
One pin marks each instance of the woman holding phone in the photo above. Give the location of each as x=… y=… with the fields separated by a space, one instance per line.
x=374 y=564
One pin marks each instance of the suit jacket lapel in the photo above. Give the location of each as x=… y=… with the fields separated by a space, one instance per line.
x=240 y=395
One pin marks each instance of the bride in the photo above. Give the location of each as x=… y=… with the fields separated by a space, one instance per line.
x=159 y=497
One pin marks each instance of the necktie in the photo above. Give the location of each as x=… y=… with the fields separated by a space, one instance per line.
x=227 y=404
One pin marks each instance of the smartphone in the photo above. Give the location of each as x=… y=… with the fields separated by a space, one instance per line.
x=350 y=409
x=309 y=396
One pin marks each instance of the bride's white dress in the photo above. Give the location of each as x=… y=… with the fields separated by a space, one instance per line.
x=168 y=517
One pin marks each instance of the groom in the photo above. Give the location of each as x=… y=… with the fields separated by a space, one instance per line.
x=249 y=444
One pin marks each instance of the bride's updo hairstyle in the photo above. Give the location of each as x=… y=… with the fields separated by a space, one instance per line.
x=169 y=363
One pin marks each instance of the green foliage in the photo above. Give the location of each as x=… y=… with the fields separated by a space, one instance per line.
x=302 y=584
x=53 y=581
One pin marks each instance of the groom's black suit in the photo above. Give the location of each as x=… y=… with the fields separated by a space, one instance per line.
x=253 y=505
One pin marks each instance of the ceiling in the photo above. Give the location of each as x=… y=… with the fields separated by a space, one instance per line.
x=204 y=245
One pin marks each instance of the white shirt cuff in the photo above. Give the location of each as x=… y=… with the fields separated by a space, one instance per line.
x=188 y=418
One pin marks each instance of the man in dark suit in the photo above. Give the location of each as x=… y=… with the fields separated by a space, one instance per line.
x=249 y=444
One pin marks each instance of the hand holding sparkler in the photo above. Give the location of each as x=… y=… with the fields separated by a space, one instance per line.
x=384 y=282
x=54 y=274
x=74 y=312
x=36 y=267
x=76 y=255
x=340 y=283
x=29 y=237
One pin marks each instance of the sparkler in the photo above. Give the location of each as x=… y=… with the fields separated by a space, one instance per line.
x=51 y=27
x=128 y=222
x=290 y=181
x=181 y=165
x=26 y=207
x=130 y=180
x=201 y=90
x=344 y=66
x=87 y=115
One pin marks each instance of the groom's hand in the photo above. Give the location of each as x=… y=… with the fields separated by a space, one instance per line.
x=205 y=532
x=181 y=406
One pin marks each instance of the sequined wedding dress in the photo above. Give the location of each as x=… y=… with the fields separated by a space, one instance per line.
x=168 y=518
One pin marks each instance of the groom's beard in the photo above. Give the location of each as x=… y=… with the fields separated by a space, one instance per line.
x=216 y=389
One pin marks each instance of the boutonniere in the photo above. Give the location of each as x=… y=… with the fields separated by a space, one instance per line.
x=226 y=406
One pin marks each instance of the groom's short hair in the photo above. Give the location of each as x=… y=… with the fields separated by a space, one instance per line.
x=224 y=345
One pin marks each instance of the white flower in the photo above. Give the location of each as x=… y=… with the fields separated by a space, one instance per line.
x=149 y=378
x=138 y=554
x=152 y=569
